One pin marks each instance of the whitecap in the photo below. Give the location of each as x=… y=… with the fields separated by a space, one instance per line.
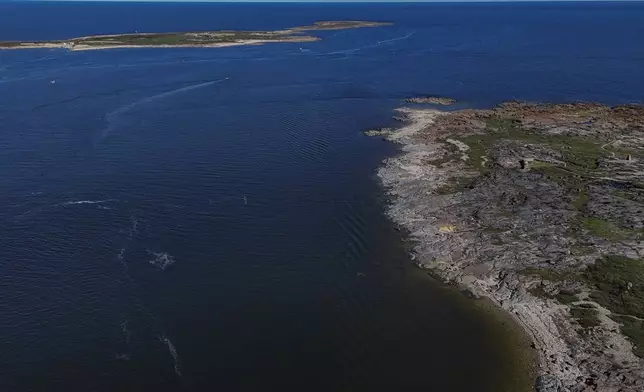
x=122 y=356
x=161 y=260
x=126 y=332
x=75 y=202
x=134 y=229
x=173 y=351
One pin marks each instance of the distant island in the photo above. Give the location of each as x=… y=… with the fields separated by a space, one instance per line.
x=208 y=39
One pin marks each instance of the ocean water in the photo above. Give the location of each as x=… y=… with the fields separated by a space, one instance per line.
x=209 y=219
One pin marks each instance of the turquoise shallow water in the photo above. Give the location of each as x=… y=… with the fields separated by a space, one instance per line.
x=190 y=219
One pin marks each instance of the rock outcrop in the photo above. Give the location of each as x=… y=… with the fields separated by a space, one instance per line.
x=541 y=209
x=432 y=100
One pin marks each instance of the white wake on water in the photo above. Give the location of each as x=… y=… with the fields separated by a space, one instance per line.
x=127 y=337
x=75 y=202
x=353 y=50
x=112 y=117
x=161 y=260
x=173 y=351
x=397 y=38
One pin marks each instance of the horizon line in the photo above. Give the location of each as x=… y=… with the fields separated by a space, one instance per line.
x=321 y=1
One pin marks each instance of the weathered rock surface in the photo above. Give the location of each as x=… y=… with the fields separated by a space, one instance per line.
x=549 y=383
x=378 y=132
x=540 y=208
x=432 y=100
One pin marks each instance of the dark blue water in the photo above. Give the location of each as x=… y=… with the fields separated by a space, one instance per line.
x=202 y=219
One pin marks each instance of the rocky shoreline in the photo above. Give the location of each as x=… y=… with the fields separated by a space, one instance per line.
x=445 y=101
x=541 y=209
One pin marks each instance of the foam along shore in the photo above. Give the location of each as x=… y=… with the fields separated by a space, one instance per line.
x=539 y=208
x=445 y=101
x=207 y=39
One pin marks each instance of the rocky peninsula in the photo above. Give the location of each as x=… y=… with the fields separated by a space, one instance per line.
x=539 y=207
x=208 y=39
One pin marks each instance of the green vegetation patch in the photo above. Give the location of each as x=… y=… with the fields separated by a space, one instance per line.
x=175 y=38
x=541 y=164
x=539 y=292
x=563 y=297
x=497 y=128
x=628 y=194
x=566 y=297
x=610 y=231
x=479 y=146
x=634 y=330
x=445 y=159
x=451 y=155
x=587 y=318
x=563 y=176
x=580 y=249
x=548 y=274
x=619 y=284
x=454 y=185
x=601 y=228
x=161 y=39
x=580 y=154
x=582 y=199
x=503 y=124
